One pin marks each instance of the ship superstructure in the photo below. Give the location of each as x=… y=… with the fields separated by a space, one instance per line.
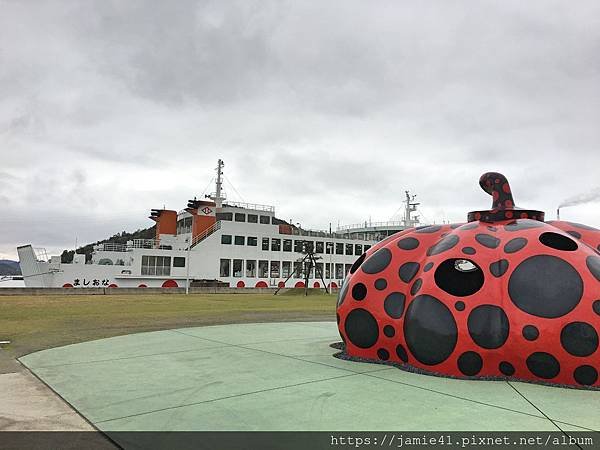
x=212 y=239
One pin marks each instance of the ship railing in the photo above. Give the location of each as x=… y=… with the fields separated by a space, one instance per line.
x=324 y=234
x=255 y=206
x=143 y=243
x=111 y=247
x=206 y=233
x=370 y=225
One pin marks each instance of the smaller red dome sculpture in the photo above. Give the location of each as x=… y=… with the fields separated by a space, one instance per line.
x=503 y=296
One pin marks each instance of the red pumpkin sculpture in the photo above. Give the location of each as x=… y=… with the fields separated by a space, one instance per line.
x=504 y=296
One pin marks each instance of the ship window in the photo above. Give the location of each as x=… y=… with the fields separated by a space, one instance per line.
x=252 y=218
x=240 y=240
x=237 y=267
x=328 y=271
x=318 y=270
x=156 y=265
x=298 y=269
x=265 y=243
x=263 y=269
x=298 y=246
x=275 y=245
x=224 y=216
x=226 y=239
x=286 y=267
x=339 y=248
x=287 y=245
x=266 y=220
x=275 y=269
x=348 y=267
x=349 y=248
x=329 y=248
x=251 y=268
x=310 y=270
x=225 y=267
x=358 y=249
x=339 y=271
x=308 y=247
x=367 y=247
x=184 y=225
x=240 y=217
x=178 y=261
x=319 y=247
x=252 y=241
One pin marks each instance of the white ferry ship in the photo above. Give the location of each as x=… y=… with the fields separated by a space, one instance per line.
x=215 y=241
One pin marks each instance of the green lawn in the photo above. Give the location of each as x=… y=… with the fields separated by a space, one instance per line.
x=35 y=323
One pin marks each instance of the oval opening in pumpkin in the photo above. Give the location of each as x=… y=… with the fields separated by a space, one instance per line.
x=459 y=277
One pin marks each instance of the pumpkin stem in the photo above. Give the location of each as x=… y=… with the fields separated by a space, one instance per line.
x=497 y=186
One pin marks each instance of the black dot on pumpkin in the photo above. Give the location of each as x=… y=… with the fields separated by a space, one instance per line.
x=470 y=226
x=585 y=375
x=401 y=352
x=558 y=241
x=530 y=332
x=543 y=365
x=575 y=234
x=499 y=268
x=394 y=305
x=361 y=328
x=357 y=263
x=488 y=326
x=389 y=331
x=596 y=307
x=470 y=363
x=506 y=368
x=428 y=229
x=430 y=330
x=523 y=224
x=382 y=353
x=514 y=245
x=409 y=243
x=343 y=291
x=579 y=339
x=545 y=286
x=416 y=287
x=460 y=306
x=445 y=244
x=380 y=284
x=408 y=271
x=428 y=267
x=378 y=261
x=593 y=264
x=359 y=291
x=456 y=225
x=469 y=250
x=459 y=277
x=487 y=240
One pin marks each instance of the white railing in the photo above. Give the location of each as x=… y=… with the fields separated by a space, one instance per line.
x=206 y=233
x=370 y=225
x=255 y=206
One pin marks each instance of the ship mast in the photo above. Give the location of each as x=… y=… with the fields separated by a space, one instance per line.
x=411 y=206
x=218 y=196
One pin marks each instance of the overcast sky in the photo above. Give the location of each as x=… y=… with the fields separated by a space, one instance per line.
x=328 y=110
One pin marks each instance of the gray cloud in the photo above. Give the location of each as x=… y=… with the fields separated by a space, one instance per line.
x=329 y=110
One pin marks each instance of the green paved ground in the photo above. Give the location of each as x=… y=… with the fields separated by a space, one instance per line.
x=282 y=376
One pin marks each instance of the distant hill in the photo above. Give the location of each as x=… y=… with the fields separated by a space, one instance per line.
x=119 y=238
x=8 y=267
